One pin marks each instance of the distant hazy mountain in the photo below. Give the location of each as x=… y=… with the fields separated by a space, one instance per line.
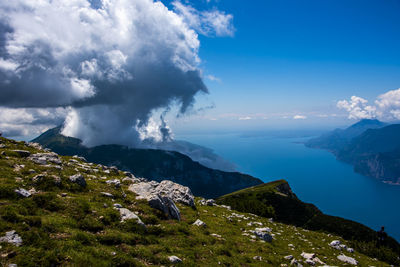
x=370 y=146
x=339 y=138
x=152 y=163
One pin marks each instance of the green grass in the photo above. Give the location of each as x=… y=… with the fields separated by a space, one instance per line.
x=82 y=228
x=282 y=205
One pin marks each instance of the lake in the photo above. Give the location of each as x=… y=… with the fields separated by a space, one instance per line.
x=314 y=175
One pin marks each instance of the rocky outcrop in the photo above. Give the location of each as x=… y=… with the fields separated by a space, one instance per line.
x=45 y=158
x=162 y=195
x=176 y=192
x=22 y=153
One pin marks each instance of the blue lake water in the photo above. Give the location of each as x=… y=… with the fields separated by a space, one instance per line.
x=314 y=175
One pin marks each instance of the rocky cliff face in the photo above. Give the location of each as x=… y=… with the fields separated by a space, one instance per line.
x=370 y=146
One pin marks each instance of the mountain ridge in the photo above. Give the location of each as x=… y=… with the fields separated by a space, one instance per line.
x=373 y=152
x=153 y=164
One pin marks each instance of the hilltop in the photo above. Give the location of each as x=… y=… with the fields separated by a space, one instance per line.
x=153 y=164
x=61 y=210
x=276 y=200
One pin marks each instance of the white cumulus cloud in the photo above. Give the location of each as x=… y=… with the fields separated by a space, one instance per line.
x=385 y=107
x=112 y=62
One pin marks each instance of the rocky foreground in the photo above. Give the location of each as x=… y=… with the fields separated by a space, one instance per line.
x=59 y=210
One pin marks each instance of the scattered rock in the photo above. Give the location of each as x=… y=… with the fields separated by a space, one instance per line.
x=32 y=191
x=351 y=250
x=80 y=158
x=114 y=169
x=35 y=145
x=262 y=235
x=23 y=192
x=38 y=178
x=216 y=235
x=45 y=158
x=210 y=202
x=12 y=237
x=200 y=223
x=129 y=215
x=335 y=244
x=308 y=255
x=115 y=182
x=257 y=258
x=174 y=259
x=22 y=153
x=106 y=194
x=288 y=257
x=78 y=179
x=118 y=206
x=63 y=194
x=265 y=229
x=347 y=259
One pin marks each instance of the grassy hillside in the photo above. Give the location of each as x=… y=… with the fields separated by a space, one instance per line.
x=65 y=224
x=276 y=200
x=153 y=164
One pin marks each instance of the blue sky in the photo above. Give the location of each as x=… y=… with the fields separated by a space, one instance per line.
x=292 y=57
x=114 y=67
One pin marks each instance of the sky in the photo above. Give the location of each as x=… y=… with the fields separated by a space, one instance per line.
x=132 y=71
x=290 y=58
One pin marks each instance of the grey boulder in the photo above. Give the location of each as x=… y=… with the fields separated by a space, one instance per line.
x=22 y=192
x=347 y=259
x=78 y=179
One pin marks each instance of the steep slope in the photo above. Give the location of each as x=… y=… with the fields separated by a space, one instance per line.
x=276 y=200
x=153 y=164
x=375 y=153
x=372 y=148
x=339 y=138
x=62 y=211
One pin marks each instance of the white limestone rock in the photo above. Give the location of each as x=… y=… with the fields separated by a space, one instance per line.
x=347 y=259
x=262 y=235
x=129 y=215
x=115 y=182
x=23 y=192
x=78 y=179
x=12 y=237
x=174 y=259
x=176 y=192
x=200 y=223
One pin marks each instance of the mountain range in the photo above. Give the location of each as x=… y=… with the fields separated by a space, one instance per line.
x=371 y=146
x=155 y=164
